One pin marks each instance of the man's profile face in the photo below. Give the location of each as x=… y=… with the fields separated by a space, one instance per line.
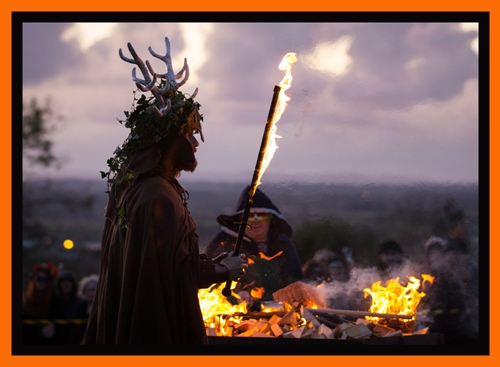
x=185 y=158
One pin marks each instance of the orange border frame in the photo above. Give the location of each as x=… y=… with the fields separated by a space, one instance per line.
x=6 y=359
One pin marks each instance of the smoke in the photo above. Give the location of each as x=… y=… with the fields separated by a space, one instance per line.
x=349 y=295
x=450 y=305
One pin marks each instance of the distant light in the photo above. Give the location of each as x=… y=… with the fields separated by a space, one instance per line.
x=68 y=244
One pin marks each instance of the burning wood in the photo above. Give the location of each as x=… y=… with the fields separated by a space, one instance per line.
x=304 y=318
x=303 y=292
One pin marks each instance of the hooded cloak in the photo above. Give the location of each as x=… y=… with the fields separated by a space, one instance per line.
x=151 y=271
x=274 y=264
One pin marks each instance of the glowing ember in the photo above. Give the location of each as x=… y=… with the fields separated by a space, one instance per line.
x=263 y=256
x=395 y=298
x=286 y=66
x=217 y=310
x=257 y=292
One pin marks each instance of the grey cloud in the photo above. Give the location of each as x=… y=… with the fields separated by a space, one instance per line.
x=44 y=54
x=359 y=123
x=251 y=52
x=381 y=52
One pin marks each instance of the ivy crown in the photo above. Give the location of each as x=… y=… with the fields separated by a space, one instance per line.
x=148 y=128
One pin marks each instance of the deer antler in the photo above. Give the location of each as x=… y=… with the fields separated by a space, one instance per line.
x=148 y=83
x=170 y=76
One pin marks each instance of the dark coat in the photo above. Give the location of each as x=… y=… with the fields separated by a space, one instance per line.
x=272 y=269
x=272 y=265
x=150 y=272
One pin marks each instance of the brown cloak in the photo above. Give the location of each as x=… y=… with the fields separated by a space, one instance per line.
x=150 y=272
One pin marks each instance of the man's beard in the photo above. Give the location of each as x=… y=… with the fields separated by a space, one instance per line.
x=185 y=159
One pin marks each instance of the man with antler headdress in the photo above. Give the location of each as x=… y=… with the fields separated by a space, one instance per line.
x=151 y=269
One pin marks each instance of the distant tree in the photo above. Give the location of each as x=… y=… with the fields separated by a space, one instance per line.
x=37 y=128
x=42 y=233
x=38 y=125
x=37 y=151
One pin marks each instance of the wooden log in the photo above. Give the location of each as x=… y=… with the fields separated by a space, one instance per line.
x=249 y=332
x=326 y=331
x=309 y=316
x=358 y=331
x=327 y=322
x=274 y=320
x=259 y=334
x=382 y=330
x=308 y=332
x=289 y=319
x=393 y=333
x=276 y=330
x=330 y=316
x=357 y=313
x=245 y=325
x=260 y=315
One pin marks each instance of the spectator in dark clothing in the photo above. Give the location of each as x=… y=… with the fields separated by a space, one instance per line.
x=74 y=308
x=272 y=257
x=392 y=263
x=332 y=272
x=445 y=306
x=327 y=266
x=41 y=307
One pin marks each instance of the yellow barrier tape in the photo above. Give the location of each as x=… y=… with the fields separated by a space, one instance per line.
x=55 y=321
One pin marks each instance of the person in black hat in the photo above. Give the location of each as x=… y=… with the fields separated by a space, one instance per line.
x=272 y=257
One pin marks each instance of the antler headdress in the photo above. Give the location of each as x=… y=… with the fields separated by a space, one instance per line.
x=167 y=111
x=149 y=84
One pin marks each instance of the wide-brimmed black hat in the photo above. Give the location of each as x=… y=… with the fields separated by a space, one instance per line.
x=260 y=204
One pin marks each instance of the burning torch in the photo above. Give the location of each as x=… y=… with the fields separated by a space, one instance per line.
x=267 y=147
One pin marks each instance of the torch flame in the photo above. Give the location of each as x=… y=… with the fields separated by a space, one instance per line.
x=286 y=66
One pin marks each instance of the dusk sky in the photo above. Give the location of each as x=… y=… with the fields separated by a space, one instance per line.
x=369 y=102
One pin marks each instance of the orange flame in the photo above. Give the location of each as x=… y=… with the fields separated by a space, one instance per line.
x=286 y=66
x=396 y=298
x=214 y=305
x=262 y=256
x=257 y=292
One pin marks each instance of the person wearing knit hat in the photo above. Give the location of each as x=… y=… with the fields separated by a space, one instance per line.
x=272 y=257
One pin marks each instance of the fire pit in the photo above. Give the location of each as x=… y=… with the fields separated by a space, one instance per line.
x=299 y=312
